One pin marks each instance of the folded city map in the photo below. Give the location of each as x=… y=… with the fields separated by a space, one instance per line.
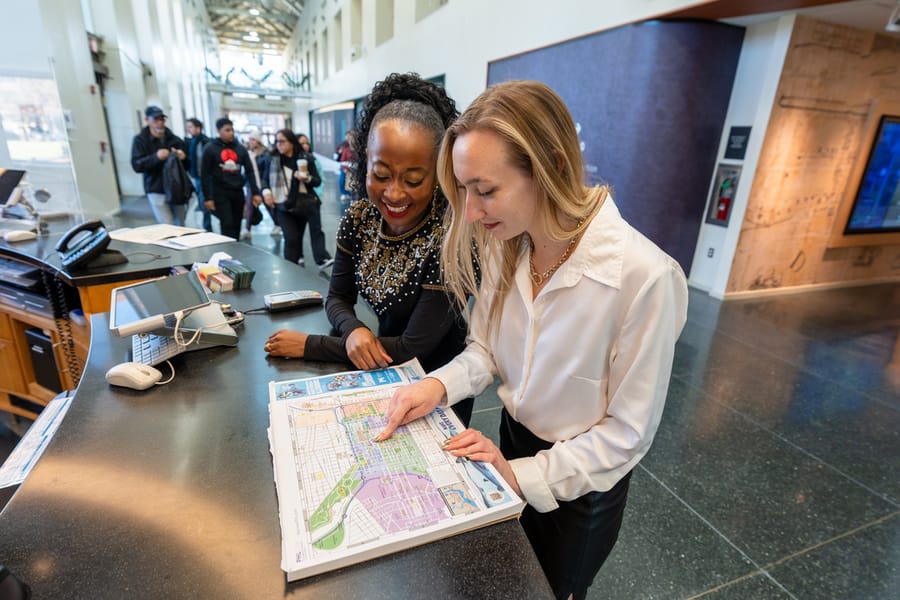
x=344 y=498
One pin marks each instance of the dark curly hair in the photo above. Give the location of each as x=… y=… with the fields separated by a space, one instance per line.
x=399 y=86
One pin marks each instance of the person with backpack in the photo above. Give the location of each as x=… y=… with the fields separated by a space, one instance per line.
x=149 y=151
x=177 y=184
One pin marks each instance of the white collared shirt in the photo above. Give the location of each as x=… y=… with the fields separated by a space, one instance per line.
x=585 y=365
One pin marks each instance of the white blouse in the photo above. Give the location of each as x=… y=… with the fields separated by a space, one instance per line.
x=585 y=365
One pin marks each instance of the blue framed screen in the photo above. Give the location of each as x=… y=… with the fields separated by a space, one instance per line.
x=876 y=205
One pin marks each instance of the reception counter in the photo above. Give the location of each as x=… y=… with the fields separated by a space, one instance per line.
x=169 y=492
x=27 y=383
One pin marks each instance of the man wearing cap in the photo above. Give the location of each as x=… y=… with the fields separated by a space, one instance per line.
x=225 y=170
x=149 y=151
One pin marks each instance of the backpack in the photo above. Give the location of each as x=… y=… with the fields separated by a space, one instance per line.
x=176 y=182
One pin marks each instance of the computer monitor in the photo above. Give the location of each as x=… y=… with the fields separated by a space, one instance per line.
x=9 y=180
x=144 y=307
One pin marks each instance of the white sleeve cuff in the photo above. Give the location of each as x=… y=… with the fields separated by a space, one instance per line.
x=451 y=377
x=531 y=482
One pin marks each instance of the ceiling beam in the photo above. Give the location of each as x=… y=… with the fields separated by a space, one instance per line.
x=281 y=17
x=240 y=28
x=295 y=6
x=277 y=43
x=726 y=9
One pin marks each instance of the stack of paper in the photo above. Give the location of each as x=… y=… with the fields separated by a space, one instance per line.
x=169 y=236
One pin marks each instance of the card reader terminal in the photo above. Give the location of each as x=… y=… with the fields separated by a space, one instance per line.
x=296 y=299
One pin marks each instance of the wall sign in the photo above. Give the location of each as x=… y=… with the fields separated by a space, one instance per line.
x=737 y=143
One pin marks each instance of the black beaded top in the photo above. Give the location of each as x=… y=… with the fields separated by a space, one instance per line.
x=391 y=270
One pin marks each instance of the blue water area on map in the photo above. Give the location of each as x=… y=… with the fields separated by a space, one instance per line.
x=382 y=376
x=491 y=490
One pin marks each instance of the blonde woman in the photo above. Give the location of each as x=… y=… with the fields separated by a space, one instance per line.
x=577 y=312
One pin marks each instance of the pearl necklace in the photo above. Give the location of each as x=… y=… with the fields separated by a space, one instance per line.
x=540 y=278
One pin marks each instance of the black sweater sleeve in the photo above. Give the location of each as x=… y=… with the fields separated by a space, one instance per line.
x=342 y=295
x=428 y=326
x=431 y=320
x=341 y=314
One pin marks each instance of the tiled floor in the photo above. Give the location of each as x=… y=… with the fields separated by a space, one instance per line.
x=776 y=470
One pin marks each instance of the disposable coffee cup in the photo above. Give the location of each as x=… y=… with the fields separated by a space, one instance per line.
x=302 y=166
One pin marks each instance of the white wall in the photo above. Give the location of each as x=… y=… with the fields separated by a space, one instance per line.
x=457 y=40
x=752 y=96
x=63 y=24
x=114 y=22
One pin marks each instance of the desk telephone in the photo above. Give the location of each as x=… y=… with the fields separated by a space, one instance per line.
x=84 y=246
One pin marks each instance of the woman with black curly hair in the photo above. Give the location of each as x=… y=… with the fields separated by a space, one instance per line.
x=389 y=242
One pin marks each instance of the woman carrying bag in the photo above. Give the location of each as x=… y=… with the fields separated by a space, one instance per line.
x=288 y=185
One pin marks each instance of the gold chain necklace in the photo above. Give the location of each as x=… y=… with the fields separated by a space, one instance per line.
x=539 y=278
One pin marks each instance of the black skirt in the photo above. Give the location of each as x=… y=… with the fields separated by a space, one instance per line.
x=573 y=541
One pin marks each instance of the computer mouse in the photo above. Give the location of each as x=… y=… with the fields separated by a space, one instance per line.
x=19 y=235
x=133 y=375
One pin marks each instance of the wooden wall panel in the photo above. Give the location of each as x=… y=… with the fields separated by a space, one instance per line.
x=834 y=77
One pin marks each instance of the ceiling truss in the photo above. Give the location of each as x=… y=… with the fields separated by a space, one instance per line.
x=273 y=22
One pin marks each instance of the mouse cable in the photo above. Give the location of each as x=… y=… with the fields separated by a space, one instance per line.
x=171 y=377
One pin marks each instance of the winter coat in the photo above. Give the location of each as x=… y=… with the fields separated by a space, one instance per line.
x=144 y=159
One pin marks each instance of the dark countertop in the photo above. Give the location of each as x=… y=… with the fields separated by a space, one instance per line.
x=144 y=260
x=169 y=492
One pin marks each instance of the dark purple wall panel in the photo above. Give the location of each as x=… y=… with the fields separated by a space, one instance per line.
x=651 y=100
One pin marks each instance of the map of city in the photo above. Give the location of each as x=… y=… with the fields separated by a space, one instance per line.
x=345 y=498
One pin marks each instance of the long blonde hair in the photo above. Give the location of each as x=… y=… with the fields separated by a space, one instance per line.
x=541 y=142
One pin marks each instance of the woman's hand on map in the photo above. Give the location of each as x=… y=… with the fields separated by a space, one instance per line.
x=411 y=402
x=474 y=445
x=286 y=343
x=365 y=350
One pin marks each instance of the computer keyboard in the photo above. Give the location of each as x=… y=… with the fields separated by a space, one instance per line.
x=151 y=349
